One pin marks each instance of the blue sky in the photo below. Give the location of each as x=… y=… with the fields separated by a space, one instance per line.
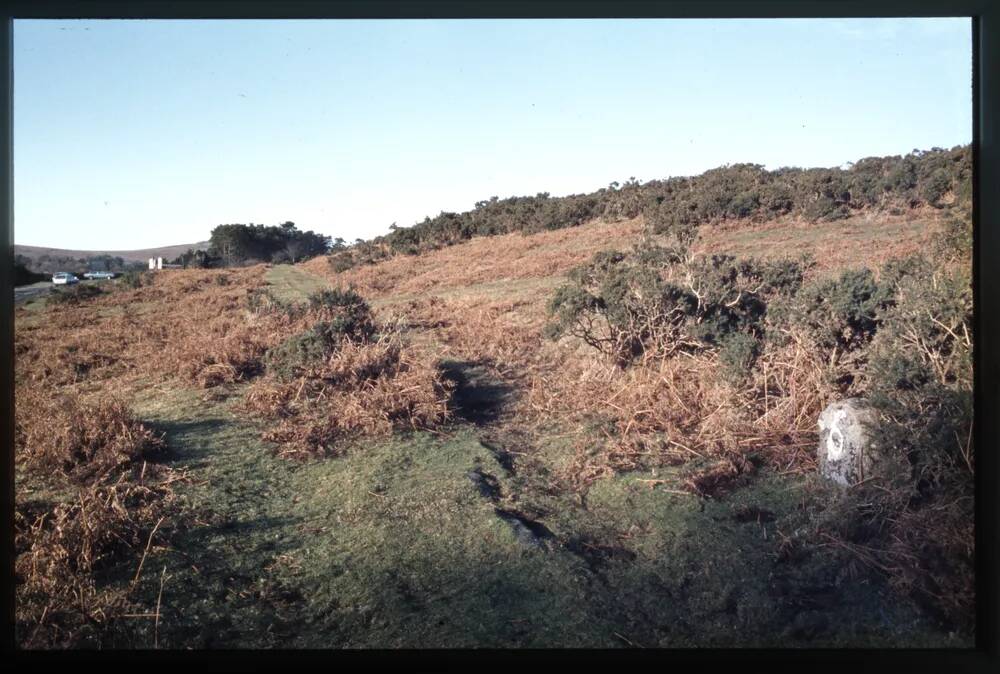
x=130 y=134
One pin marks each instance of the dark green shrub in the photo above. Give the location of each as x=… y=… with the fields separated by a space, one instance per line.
x=744 y=205
x=841 y=314
x=737 y=354
x=678 y=206
x=777 y=199
x=344 y=313
x=826 y=208
x=920 y=380
x=902 y=177
x=925 y=335
x=675 y=220
x=344 y=317
x=936 y=186
x=281 y=257
x=136 y=279
x=954 y=241
x=567 y=307
x=341 y=262
x=302 y=351
x=660 y=300
x=74 y=294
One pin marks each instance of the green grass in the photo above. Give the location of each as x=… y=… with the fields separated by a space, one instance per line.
x=292 y=283
x=393 y=546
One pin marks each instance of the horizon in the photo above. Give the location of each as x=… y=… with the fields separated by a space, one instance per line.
x=207 y=236
x=271 y=139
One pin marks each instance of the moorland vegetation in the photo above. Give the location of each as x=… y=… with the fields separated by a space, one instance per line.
x=619 y=332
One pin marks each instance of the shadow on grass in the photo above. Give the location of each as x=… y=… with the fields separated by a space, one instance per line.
x=398 y=545
x=478 y=397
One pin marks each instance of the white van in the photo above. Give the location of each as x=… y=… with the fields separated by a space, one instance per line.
x=62 y=278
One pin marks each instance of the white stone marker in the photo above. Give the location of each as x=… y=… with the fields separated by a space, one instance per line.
x=846 y=452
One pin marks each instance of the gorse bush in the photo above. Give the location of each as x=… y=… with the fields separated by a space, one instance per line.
x=341 y=261
x=927 y=327
x=345 y=313
x=342 y=315
x=300 y=352
x=677 y=206
x=839 y=314
x=136 y=279
x=342 y=377
x=658 y=301
x=954 y=242
x=738 y=352
x=901 y=339
x=919 y=378
x=74 y=294
x=920 y=366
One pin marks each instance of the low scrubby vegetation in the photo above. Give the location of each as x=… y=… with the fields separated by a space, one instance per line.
x=342 y=377
x=110 y=499
x=704 y=369
x=764 y=348
x=741 y=192
x=134 y=278
x=59 y=435
x=74 y=294
x=61 y=552
x=660 y=301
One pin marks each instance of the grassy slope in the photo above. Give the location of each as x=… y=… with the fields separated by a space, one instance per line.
x=393 y=545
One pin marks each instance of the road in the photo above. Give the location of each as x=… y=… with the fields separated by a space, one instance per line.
x=24 y=293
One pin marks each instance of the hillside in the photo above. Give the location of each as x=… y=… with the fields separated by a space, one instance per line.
x=442 y=470
x=36 y=253
x=729 y=195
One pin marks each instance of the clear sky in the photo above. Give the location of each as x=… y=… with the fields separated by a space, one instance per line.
x=131 y=134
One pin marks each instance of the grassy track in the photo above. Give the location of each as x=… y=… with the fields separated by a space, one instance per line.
x=292 y=283
x=416 y=542
x=463 y=538
x=394 y=545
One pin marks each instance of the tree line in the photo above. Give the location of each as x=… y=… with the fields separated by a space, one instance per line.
x=241 y=244
x=48 y=263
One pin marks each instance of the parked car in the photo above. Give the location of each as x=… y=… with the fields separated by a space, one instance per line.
x=99 y=275
x=62 y=278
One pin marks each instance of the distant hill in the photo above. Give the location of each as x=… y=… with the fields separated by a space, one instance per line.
x=42 y=256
